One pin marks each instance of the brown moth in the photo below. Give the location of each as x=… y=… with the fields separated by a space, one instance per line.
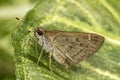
x=68 y=48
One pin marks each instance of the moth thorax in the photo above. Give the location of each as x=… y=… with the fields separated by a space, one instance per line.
x=43 y=41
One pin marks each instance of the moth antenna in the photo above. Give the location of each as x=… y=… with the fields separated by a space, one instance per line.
x=17 y=18
x=40 y=54
x=29 y=31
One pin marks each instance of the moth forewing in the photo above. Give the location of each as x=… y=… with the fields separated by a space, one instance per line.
x=76 y=46
x=69 y=48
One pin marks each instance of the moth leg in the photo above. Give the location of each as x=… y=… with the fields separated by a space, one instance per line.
x=40 y=55
x=50 y=55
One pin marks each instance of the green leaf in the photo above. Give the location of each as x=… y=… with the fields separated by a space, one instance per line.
x=99 y=16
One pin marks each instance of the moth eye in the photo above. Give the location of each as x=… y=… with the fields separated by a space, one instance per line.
x=40 y=32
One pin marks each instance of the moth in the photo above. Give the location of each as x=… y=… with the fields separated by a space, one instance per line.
x=67 y=48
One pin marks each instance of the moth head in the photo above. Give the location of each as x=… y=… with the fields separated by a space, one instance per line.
x=39 y=34
x=38 y=31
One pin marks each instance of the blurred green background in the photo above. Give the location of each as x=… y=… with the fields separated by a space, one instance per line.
x=100 y=16
x=9 y=9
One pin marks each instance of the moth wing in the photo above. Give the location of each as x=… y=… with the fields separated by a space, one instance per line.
x=71 y=48
x=60 y=57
